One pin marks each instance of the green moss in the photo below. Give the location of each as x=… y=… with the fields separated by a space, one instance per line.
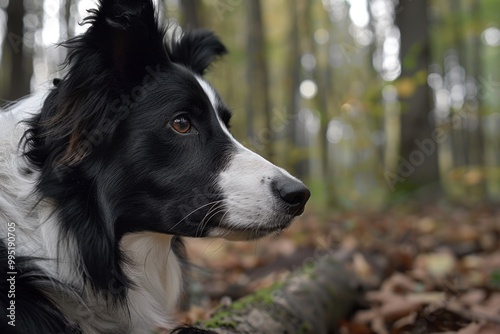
x=264 y=296
x=332 y=290
x=220 y=319
x=305 y=328
x=309 y=265
x=495 y=279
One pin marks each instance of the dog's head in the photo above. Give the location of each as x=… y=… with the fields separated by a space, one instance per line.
x=135 y=136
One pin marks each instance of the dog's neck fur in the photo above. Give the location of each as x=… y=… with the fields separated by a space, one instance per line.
x=156 y=277
x=151 y=266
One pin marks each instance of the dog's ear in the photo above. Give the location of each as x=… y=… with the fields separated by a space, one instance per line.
x=197 y=50
x=123 y=46
x=124 y=37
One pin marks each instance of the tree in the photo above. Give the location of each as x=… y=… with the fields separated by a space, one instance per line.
x=17 y=66
x=190 y=17
x=416 y=124
x=258 y=79
x=67 y=13
x=293 y=78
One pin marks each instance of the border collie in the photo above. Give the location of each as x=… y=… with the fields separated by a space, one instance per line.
x=101 y=175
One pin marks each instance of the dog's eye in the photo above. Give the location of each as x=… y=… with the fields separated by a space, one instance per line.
x=181 y=124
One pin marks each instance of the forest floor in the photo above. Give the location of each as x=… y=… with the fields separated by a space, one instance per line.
x=427 y=268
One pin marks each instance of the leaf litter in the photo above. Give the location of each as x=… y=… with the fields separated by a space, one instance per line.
x=428 y=268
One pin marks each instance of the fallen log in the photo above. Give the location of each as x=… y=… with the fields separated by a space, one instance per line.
x=312 y=300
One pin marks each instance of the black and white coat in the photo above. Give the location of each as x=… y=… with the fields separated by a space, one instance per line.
x=101 y=175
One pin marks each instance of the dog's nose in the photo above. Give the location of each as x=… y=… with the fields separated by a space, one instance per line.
x=292 y=192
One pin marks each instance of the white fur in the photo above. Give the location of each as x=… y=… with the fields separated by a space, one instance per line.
x=154 y=268
x=36 y=230
x=250 y=200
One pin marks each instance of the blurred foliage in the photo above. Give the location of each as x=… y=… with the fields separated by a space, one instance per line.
x=339 y=88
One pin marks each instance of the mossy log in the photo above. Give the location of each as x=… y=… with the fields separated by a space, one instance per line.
x=312 y=300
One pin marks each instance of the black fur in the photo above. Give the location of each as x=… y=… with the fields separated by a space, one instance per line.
x=116 y=103
x=197 y=50
x=35 y=312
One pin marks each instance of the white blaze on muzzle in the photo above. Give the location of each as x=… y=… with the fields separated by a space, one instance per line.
x=259 y=197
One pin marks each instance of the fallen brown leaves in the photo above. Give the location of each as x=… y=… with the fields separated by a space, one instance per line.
x=427 y=269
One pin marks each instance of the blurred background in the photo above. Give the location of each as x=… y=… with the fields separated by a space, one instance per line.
x=369 y=101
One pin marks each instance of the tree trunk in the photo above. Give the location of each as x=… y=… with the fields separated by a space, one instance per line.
x=313 y=300
x=17 y=64
x=70 y=31
x=293 y=81
x=416 y=123
x=191 y=18
x=258 y=81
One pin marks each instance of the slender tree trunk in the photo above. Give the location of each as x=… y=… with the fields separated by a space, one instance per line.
x=470 y=146
x=258 y=80
x=293 y=80
x=416 y=123
x=475 y=71
x=306 y=45
x=191 y=18
x=16 y=59
x=70 y=32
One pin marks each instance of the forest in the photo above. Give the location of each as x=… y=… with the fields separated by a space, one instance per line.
x=389 y=110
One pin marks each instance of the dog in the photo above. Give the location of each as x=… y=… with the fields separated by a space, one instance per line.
x=103 y=174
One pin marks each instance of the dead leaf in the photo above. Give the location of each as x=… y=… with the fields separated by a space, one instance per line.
x=399 y=282
x=472 y=297
x=397 y=308
x=426 y=297
x=361 y=267
x=426 y=225
x=438 y=265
